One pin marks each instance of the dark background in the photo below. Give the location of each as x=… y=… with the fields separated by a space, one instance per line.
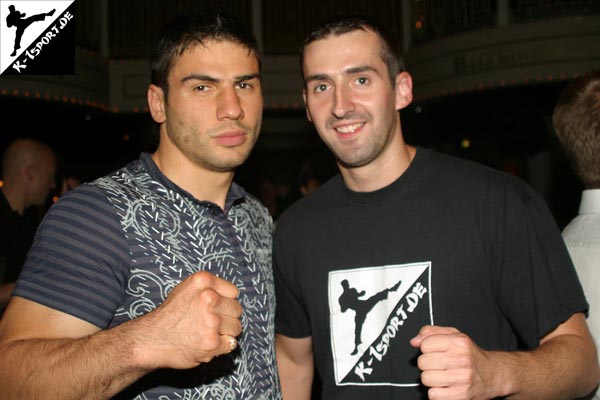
x=506 y=128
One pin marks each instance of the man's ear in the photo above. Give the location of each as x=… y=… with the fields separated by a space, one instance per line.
x=306 y=105
x=156 y=103
x=404 y=93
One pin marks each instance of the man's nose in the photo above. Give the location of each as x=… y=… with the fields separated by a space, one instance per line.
x=228 y=105
x=342 y=102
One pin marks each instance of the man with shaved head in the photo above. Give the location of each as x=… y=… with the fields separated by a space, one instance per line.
x=28 y=169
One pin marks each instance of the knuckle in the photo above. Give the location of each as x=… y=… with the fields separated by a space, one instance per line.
x=463 y=342
x=209 y=297
x=421 y=362
x=426 y=329
x=432 y=394
x=238 y=328
x=206 y=358
x=237 y=309
x=426 y=378
x=211 y=342
x=202 y=279
x=212 y=321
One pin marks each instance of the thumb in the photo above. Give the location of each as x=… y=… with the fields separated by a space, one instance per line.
x=416 y=341
x=423 y=333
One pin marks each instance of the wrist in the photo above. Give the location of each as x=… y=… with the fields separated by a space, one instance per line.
x=138 y=351
x=505 y=374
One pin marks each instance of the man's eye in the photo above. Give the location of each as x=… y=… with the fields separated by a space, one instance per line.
x=362 y=80
x=320 y=88
x=200 y=88
x=244 y=85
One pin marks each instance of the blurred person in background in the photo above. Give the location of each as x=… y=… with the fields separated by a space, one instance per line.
x=28 y=176
x=576 y=121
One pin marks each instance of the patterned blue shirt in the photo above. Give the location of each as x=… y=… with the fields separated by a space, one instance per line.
x=112 y=250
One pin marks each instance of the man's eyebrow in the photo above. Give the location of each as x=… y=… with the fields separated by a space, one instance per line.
x=348 y=71
x=200 y=77
x=317 y=77
x=248 y=77
x=358 y=70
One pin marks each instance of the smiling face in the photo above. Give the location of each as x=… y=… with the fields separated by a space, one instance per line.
x=213 y=112
x=350 y=98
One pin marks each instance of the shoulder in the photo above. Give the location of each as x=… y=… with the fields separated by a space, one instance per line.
x=85 y=196
x=253 y=205
x=469 y=178
x=84 y=209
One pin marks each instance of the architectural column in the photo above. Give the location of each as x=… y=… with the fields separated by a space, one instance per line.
x=503 y=8
x=407 y=26
x=257 y=23
x=104 y=27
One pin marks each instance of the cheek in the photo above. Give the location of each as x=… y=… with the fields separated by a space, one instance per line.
x=318 y=110
x=253 y=108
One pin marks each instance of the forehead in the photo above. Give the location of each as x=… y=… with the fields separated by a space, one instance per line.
x=216 y=58
x=335 y=52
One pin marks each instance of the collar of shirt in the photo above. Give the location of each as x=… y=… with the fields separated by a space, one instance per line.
x=590 y=202
x=235 y=194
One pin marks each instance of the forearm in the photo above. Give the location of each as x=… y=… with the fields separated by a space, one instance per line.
x=564 y=368
x=93 y=367
x=296 y=381
x=296 y=367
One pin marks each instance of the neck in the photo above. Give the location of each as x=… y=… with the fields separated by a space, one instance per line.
x=203 y=184
x=15 y=200
x=382 y=171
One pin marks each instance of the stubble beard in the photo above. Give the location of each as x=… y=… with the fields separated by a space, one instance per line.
x=216 y=158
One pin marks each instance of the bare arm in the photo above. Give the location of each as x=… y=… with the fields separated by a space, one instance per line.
x=296 y=368
x=45 y=353
x=564 y=366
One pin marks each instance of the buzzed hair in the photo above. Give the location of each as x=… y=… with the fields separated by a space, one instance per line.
x=576 y=121
x=21 y=151
x=349 y=23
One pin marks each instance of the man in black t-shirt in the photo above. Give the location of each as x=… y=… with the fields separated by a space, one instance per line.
x=488 y=304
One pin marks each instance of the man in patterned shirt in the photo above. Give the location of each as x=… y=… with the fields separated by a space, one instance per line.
x=141 y=283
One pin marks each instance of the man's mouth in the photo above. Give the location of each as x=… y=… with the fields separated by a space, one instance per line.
x=231 y=138
x=349 y=128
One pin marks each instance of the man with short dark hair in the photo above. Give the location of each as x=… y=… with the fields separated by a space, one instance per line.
x=577 y=125
x=155 y=281
x=481 y=298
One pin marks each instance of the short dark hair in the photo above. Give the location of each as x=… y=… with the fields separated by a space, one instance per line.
x=576 y=121
x=340 y=25
x=192 y=28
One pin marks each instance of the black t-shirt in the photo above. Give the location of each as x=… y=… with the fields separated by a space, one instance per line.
x=449 y=243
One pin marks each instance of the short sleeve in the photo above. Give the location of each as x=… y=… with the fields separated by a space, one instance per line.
x=79 y=260
x=536 y=282
x=291 y=318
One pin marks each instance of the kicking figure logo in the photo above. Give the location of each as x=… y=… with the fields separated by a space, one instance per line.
x=18 y=20
x=37 y=37
x=350 y=299
x=374 y=312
